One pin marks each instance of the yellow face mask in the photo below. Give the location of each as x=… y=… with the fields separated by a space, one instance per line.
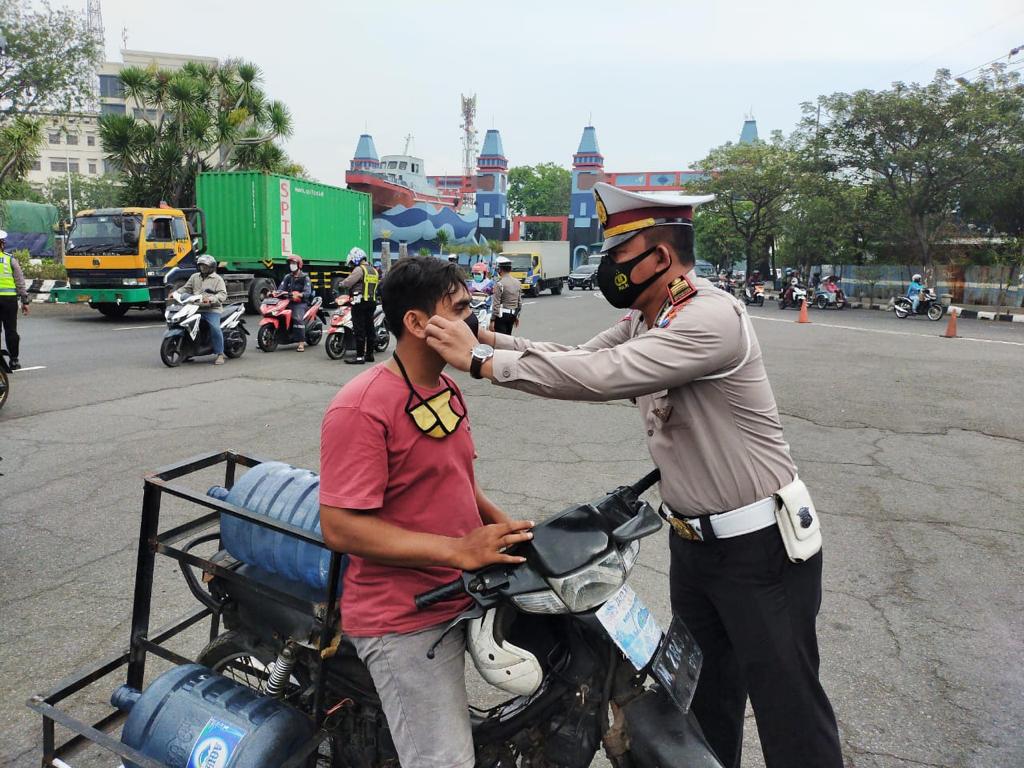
x=438 y=416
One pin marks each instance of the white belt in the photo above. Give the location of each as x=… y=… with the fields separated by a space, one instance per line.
x=724 y=525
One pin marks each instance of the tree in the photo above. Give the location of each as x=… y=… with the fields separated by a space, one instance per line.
x=50 y=61
x=752 y=183
x=86 y=191
x=200 y=117
x=540 y=190
x=442 y=240
x=924 y=145
x=20 y=141
x=716 y=239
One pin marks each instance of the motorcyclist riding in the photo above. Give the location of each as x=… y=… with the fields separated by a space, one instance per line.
x=208 y=284
x=480 y=283
x=914 y=291
x=791 y=280
x=830 y=285
x=299 y=289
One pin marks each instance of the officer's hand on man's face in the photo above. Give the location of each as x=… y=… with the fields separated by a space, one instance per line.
x=451 y=339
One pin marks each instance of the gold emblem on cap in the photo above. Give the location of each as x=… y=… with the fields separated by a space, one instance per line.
x=602 y=212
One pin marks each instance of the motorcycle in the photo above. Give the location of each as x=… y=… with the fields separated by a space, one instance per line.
x=341 y=332
x=480 y=305
x=276 y=324
x=569 y=604
x=187 y=336
x=5 y=377
x=794 y=296
x=928 y=305
x=754 y=294
x=824 y=299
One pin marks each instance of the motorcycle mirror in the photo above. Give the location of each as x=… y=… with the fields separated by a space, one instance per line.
x=645 y=523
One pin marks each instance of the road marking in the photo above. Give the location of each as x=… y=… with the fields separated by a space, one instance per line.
x=139 y=327
x=890 y=333
x=572 y=297
x=529 y=302
x=30 y=368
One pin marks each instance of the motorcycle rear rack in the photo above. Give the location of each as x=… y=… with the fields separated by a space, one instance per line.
x=143 y=642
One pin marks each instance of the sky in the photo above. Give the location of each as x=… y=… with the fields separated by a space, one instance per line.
x=662 y=82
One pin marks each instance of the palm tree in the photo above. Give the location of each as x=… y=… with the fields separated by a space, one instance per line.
x=20 y=141
x=442 y=240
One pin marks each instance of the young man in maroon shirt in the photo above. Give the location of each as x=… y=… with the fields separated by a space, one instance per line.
x=398 y=494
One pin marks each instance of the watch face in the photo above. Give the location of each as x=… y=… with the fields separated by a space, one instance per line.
x=483 y=351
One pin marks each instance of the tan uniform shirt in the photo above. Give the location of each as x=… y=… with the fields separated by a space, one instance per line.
x=197 y=284
x=508 y=294
x=718 y=442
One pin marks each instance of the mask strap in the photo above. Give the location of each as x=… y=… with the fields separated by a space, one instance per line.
x=747 y=331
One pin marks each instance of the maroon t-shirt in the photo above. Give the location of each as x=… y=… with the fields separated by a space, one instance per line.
x=374 y=458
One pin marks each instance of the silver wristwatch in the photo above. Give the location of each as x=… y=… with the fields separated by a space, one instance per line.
x=481 y=354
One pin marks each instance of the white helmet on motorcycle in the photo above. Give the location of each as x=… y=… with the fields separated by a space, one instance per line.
x=916 y=278
x=206 y=260
x=499 y=662
x=356 y=256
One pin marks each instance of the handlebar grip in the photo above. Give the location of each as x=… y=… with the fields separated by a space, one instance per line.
x=646 y=481
x=447 y=591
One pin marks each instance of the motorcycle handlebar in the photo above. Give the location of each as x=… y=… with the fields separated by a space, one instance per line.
x=645 y=482
x=447 y=591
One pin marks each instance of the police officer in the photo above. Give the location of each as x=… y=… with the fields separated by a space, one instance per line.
x=688 y=355
x=12 y=287
x=361 y=285
x=508 y=298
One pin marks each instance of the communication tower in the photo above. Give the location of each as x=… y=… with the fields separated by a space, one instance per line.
x=469 y=145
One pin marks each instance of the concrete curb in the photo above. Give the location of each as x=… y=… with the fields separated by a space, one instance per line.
x=1006 y=317
x=41 y=289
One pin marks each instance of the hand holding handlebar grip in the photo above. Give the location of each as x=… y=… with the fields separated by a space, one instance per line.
x=445 y=592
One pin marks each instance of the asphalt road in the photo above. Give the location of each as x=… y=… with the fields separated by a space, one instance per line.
x=912 y=445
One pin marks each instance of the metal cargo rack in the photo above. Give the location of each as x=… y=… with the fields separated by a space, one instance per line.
x=153 y=541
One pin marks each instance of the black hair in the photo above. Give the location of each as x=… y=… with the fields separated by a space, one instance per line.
x=678 y=237
x=417 y=282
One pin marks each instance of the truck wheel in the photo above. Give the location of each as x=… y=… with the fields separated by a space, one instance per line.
x=113 y=311
x=258 y=291
x=556 y=289
x=534 y=291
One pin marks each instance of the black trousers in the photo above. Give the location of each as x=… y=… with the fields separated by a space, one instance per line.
x=9 y=306
x=753 y=611
x=504 y=323
x=362 y=325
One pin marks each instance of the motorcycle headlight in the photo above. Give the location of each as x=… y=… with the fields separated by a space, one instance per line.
x=545 y=601
x=593 y=585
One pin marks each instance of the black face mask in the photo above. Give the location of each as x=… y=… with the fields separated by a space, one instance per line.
x=474 y=323
x=615 y=283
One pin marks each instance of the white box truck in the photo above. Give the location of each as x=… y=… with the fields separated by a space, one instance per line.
x=538 y=264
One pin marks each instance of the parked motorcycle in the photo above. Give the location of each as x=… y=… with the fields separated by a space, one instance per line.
x=928 y=305
x=596 y=647
x=5 y=377
x=187 y=336
x=829 y=299
x=794 y=296
x=276 y=324
x=754 y=294
x=341 y=332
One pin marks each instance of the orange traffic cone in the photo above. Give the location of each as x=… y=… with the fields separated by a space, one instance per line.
x=951 y=326
x=803 y=313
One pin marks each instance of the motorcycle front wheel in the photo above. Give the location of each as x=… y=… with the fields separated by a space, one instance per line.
x=383 y=340
x=314 y=332
x=335 y=345
x=821 y=302
x=266 y=338
x=5 y=387
x=171 y=351
x=936 y=311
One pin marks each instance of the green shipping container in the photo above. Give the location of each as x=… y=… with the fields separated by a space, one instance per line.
x=256 y=219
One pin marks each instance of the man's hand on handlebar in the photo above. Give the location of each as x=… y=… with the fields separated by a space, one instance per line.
x=485 y=546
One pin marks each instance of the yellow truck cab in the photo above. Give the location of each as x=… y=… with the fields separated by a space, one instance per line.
x=117 y=258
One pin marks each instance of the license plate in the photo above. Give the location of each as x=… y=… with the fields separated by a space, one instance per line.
x=677 y=665
x=632 y=626
x=84 y=297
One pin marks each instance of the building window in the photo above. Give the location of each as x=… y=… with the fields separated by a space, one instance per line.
x=36 y=166
x=583 y=209
x=90 y=140
x=112 y=109
x=55 y=138
x=72 y=139
x=111 y=87
x=92 y=167
x=149 y=114
x=487 y=209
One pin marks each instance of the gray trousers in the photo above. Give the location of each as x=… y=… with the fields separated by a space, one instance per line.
x=424 y=699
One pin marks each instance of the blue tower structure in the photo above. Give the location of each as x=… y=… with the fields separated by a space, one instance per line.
x=748 y=134
x=492 y=189
x=587 y=169
x=366 y=155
